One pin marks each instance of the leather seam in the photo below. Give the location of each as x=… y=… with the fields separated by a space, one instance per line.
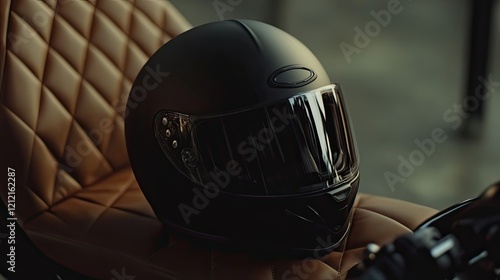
x=162 y=29
x=3 y=49
x=347 y=270
x=344 y=245
x=149 y=18
x=75 y=122
x=128 y=40
x=9 y=110
x=73 y=196
x=100 y=249
x=107 y=208
x=391 y=218
x=82 y=77
x=35 y=135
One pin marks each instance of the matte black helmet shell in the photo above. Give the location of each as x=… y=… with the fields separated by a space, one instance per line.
x=230 y=72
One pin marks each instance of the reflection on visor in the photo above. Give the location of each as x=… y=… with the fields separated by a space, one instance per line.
x=301 y=144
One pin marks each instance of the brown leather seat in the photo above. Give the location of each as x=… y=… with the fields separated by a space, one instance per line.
x=65 y=71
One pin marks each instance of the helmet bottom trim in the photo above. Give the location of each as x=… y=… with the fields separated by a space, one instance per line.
x=316 y=246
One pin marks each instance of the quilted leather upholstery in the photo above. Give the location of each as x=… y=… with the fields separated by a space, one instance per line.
x=65 y=71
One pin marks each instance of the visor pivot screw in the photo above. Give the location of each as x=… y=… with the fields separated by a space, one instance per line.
x=164 y=121
x=168 y=133
x=174 y=143
x=190 y=158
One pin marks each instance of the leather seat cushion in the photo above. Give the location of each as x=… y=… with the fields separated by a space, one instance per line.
x=108 y=227
x=67 y=66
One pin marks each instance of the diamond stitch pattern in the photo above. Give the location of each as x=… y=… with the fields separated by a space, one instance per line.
x=66 y=68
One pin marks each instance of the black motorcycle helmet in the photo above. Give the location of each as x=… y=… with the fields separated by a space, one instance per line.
x=236 y=134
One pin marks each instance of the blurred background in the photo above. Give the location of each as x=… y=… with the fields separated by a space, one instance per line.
x=402 y=83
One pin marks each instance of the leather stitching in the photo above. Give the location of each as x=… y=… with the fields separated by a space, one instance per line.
x=344 y=245
x=142 y=263
x=123 y=77
x=391 y=218
x=89 y=43
x=125 y=186
x=339 y=268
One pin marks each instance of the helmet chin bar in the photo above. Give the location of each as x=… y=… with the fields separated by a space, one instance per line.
x=303 y=226
x=316 y=215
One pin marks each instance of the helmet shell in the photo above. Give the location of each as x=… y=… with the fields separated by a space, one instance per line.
x=215 y=69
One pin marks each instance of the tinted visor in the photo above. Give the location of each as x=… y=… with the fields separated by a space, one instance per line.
x=298 y=145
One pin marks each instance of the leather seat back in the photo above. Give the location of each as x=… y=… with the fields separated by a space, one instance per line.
x=65 y=71
x=66 y=68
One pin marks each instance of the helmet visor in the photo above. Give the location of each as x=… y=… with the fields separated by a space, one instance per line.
x=301 y=144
